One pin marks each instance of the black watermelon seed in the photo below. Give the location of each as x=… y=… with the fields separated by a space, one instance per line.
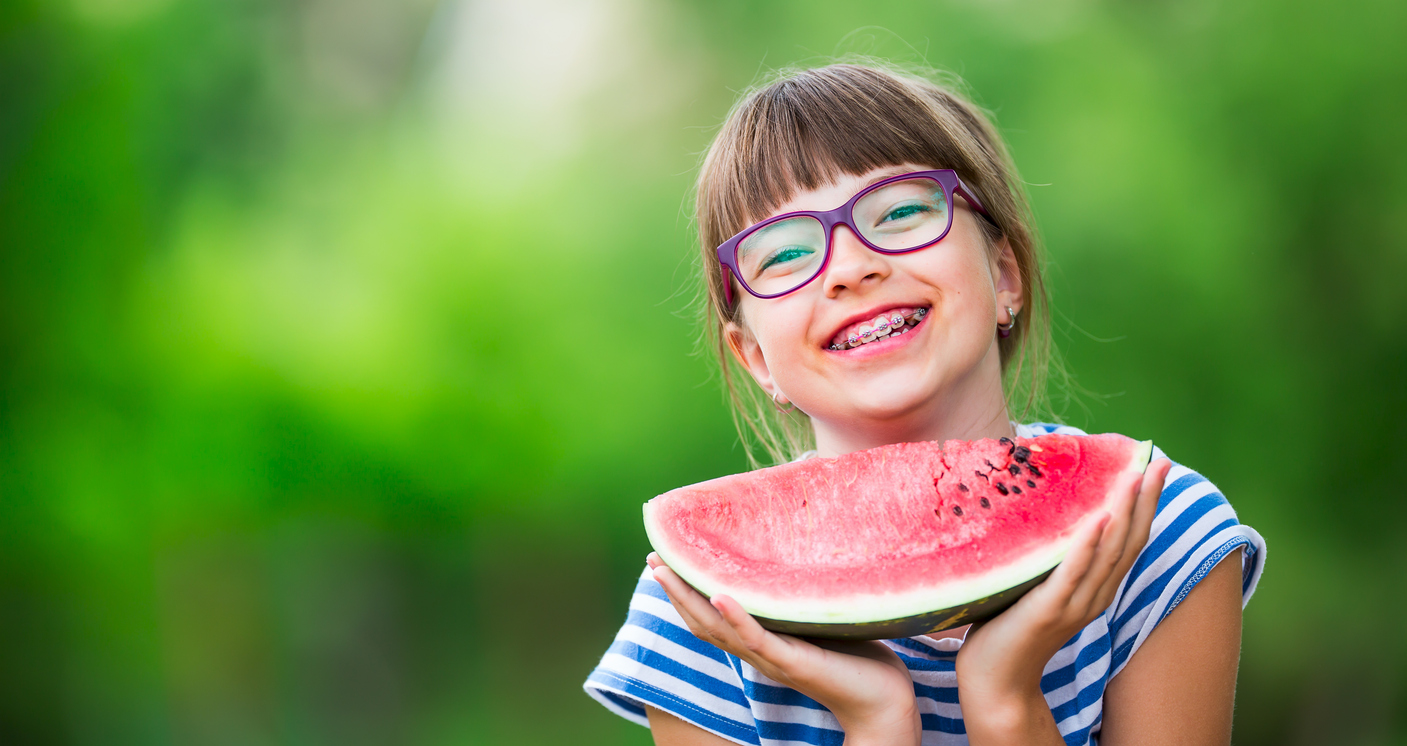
x=1014 y=469
x=1034 y=471
x=986 y=503
x=1002 y=489
x=957 y=510
x=935 y=512
x=1015 y=489
x=962 y=487
x=1030 y=484
x=1022 y=453
x=1004 y=441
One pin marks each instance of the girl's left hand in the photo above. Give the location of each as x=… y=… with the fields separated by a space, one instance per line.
x=1001 y=661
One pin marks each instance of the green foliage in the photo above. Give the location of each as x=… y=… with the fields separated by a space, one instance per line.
x=340 y=342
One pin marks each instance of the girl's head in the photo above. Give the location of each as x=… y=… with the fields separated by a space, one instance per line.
x=809 y=140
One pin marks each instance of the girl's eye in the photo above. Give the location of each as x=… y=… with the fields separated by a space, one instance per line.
x=905 y=211
x=787 y=254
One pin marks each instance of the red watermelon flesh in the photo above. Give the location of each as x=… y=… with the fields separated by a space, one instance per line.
x=906 y=538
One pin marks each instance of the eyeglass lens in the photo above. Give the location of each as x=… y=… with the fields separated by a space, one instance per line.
x=782 y=256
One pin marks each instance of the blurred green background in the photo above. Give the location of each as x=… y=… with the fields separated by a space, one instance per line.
x=340 y=340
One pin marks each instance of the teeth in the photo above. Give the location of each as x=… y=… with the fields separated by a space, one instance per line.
x=890 y=325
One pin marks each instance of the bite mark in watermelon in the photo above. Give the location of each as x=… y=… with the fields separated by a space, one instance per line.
x=896 y=541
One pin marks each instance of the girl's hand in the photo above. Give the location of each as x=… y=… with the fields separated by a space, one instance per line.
x=1001 y=662
x=864 y=684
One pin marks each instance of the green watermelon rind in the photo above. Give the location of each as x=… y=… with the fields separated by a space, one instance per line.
x=920 y=624
x=892 y=615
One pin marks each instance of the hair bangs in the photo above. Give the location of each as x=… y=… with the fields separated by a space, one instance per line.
x=806 y=131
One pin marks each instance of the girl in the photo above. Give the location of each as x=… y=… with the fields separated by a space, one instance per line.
x=889 y=311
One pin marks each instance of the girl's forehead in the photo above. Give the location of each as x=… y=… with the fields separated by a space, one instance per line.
x=841 y=187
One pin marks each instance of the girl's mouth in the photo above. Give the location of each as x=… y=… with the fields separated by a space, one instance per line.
x=888 y=324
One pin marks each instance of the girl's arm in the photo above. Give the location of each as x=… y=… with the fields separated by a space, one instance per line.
x=1180 y=685
x=668 y=730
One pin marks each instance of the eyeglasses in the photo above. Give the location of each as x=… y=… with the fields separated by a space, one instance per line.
x=895 y=216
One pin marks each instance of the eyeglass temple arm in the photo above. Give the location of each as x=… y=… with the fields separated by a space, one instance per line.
x=976 y=203
x=727 y=285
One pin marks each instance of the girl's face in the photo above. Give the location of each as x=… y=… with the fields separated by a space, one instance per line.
x=939 y=379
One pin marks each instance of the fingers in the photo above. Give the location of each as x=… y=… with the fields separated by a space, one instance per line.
x=1149 y=493
x=1141 y=523
x=692 y=607
x=701 y=617
x=1066 y=578
x=1112 y=544
x=721 y=621
x=773 y=648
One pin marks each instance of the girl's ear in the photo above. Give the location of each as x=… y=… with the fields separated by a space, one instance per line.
x=749 y=354
x=1007 y=273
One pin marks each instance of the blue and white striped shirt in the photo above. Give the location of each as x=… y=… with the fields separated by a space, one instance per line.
x=655 y=660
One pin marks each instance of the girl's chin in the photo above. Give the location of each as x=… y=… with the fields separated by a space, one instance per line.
x=876 y=410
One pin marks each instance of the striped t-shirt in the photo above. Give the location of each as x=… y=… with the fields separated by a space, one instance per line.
x=655 y=660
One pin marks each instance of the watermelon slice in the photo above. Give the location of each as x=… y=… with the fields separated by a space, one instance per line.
x=896 y=541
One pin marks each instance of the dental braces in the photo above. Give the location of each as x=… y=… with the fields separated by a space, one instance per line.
x=896 y=321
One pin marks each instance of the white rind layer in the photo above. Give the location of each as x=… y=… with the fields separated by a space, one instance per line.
x=863 y=608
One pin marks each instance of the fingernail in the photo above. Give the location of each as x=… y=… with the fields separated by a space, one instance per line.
x=652 y=559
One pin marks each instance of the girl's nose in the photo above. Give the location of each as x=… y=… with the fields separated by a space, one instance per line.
x=852 y=264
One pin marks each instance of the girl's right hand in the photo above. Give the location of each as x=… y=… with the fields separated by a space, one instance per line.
x=864 y=684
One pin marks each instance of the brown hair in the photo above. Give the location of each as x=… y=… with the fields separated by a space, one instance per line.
x=805 y=127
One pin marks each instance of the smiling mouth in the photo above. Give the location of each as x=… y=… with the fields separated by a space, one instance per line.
x=888 y=324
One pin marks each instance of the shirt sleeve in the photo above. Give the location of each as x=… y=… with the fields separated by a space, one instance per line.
x=1194 y=529
x=655 y=660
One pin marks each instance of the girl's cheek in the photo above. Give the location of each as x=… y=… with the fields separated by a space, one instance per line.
x=781 y=326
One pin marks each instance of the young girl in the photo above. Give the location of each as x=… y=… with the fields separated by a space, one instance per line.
x=889 y=310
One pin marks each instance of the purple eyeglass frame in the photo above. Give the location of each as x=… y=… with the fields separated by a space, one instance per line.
x=829 y=219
